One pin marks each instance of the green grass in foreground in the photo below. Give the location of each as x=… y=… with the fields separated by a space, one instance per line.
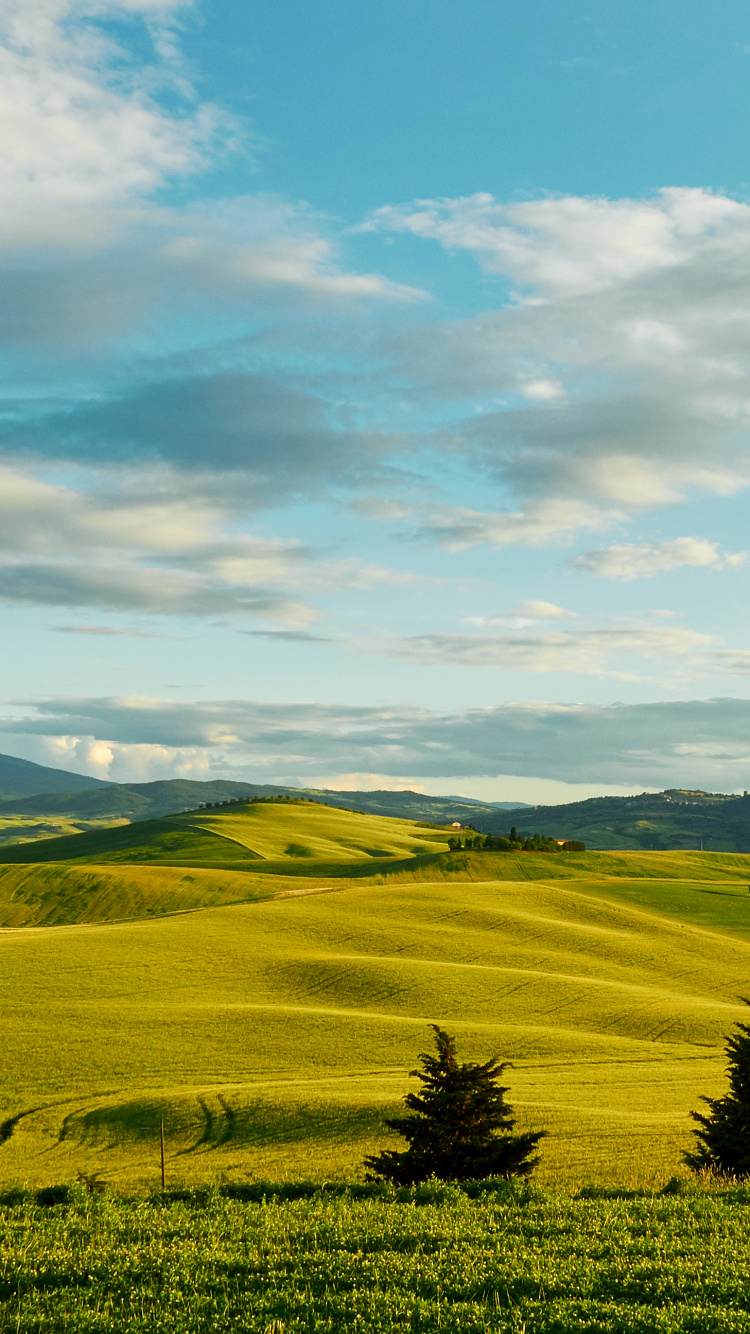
x=432 y=1259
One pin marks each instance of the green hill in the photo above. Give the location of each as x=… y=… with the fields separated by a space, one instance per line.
x=286 y=834
x=675 y=819
x=272 y=1019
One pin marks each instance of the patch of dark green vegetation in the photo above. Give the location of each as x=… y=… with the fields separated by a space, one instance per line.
x=293 y=1260
x=297 y=850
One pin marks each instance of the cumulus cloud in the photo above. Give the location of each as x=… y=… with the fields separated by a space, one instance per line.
x=642 y=560
x=697 y=743
x=119 y=763
x=83 y=126
x=572 y=245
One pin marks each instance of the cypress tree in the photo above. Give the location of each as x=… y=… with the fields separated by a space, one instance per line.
x=724 y=1134
x=463 y=1127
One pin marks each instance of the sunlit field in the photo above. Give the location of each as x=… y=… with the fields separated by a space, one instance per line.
x=271 y=1020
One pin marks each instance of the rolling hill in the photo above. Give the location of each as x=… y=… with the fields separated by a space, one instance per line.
x=272 y=1019
x=281 y=834
x=39 y=803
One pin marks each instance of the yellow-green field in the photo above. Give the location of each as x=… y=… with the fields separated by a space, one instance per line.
x=16 y=829
x=272 y=1019
x=284 y=836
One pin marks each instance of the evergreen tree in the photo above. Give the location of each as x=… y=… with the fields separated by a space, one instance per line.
x=463 y=1127
x=724 y=1134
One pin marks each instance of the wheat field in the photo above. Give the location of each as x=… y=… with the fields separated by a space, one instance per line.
x=271 y=1021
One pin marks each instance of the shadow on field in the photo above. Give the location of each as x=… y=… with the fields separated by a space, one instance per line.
x=209 y=1121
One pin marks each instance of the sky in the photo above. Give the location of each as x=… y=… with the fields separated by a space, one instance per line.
x=376 y=393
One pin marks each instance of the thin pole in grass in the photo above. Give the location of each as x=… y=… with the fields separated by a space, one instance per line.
x=161 y=1141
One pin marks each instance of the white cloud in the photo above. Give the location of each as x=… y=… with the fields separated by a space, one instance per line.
x=618 y=380
x=117 y=763
x=643 y=560
x=171 y=555
x=537 y=609
x=588 y=652
x=551 y=522
x=573 y=245
x=271 y=244
x=89 y=137
x=545 y=391
x=82 y=126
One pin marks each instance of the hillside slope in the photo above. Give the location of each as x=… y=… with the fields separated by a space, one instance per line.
x=673 y=819
x=273 y=1037
x=305 y=834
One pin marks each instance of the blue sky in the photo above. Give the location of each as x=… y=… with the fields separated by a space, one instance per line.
x=376 y=394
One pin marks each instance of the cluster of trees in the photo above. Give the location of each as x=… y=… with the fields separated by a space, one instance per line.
x=251 y=801
x=463 y=1128
x=514 y=842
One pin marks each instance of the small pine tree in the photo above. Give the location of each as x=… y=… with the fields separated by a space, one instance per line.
x=463 y=1127
x=724 y=1134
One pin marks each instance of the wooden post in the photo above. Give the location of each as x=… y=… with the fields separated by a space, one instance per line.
x=163 y=1175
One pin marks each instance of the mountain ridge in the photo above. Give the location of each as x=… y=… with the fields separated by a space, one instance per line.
x=676 y=819
x=23 y=778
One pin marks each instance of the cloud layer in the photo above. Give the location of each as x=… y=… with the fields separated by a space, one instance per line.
x=698 y=743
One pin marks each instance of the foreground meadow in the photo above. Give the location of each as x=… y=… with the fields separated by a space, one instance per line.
x=430 y=1259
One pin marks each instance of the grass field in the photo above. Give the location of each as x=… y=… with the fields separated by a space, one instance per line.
x=272 y=1020
x=302 y=833
x=16 y=829
x=515 y=1261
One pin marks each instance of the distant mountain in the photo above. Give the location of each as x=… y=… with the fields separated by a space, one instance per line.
x=21 y=778
x=411 y=805
x=148 y=801
x=493 y=805
x=676 y=819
